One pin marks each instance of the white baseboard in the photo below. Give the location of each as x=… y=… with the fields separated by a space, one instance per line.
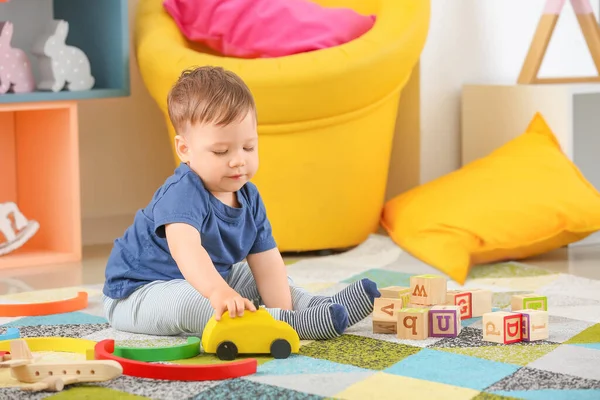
x=104 y=230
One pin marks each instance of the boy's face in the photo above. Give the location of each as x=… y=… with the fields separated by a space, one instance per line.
x=225 y=157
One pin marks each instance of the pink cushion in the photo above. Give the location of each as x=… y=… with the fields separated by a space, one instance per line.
x=266 y=28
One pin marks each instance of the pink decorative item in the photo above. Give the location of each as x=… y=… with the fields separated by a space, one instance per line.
x=266 y=28
x=15 y=67
x=582 y=7
x=579 y=6
x=553 y=6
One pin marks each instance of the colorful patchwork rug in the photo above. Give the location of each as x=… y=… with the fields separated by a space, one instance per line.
x=362 y=365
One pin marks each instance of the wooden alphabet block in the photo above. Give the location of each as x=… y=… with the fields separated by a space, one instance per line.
x=481 y=302
x=384 y=314
x=384 y=309
x=428 y=290
x=396 y=292
x=413 y=305
x=534 y=325
x=473 y=302
x=413 y=323
x=529 y=301
x=502 y=327
x=464 y=300
x=385 y=326
x=444 y=321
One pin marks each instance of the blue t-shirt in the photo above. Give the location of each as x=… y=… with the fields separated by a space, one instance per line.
x=228 y=234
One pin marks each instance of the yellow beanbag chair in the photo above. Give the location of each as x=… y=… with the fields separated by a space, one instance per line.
x=326 y=118
x=524 y=199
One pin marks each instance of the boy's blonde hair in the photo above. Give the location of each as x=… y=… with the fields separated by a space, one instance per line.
x=208 y=95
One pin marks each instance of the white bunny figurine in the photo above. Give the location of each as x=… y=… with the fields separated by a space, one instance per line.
x=60 y=64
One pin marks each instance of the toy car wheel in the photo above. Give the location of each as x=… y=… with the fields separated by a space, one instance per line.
x=281 y=348
x=227 y=351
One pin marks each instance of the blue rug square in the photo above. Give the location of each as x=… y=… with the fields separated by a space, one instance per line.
x=298 y=364
x=470 y=321
x=72 y=318
x=452 y=369
x=382 y=277
x=588 y=345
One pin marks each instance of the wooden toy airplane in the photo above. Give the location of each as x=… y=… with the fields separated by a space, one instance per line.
x=53 y=376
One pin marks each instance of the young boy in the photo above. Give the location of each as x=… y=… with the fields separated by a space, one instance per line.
x=182 y=258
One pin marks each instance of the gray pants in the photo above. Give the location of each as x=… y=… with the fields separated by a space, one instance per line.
x=169 y=308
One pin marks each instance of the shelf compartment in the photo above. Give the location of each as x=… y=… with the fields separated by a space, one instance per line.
x=98 y=27
x=39 y=163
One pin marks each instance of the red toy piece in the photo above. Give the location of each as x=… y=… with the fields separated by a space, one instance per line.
x=104 y=351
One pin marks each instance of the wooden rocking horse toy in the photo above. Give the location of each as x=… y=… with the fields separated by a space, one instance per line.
x=16 y=234
x=53 y=376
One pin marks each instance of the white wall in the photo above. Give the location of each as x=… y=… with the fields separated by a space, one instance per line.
x=125 y=156
x=483 y=41
x=125 y=153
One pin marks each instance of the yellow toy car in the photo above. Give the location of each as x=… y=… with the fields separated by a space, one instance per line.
x=254 y=333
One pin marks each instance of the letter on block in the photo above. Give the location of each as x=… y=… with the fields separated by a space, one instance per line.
x=530 y=301
x=473 y=302
x=384 y=314
x=502 y=327
x=413 y=323
x=428 y=290
x=444 y=321
x=534 y=325
x=462 y=299
x=384 y=327
x=396 y=292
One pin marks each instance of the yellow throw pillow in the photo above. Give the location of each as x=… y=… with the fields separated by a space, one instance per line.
x=523 y=199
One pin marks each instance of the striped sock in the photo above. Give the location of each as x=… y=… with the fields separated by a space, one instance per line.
x=325 y=321
x=316 y=300
x=302 y=299
x=358 y=298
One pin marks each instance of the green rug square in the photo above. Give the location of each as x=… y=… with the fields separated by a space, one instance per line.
x=359 y=351
x=92 y=393
x=505 y=270
x=516 y=355
x=589 y=335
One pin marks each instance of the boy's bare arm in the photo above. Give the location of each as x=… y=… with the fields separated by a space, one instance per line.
x=270 y=274
x=198 y=269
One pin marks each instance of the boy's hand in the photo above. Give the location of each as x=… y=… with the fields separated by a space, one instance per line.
x=227 y=299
